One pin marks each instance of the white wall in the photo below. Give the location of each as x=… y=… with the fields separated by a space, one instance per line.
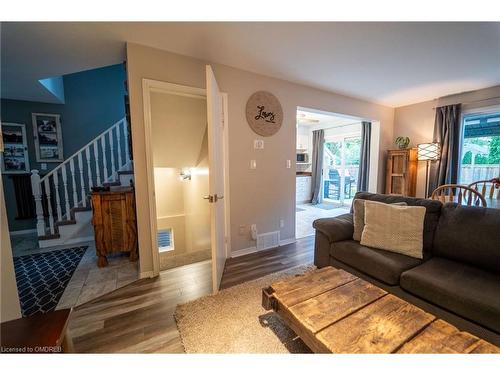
x=10 y=308
x=262 y=196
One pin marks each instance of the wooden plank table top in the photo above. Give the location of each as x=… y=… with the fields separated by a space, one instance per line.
x=40 y=333
x=333 y=311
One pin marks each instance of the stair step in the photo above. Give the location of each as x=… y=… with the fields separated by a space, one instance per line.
x=49 y=237
x=64 y=222
x=125 y=172
x=113 y=183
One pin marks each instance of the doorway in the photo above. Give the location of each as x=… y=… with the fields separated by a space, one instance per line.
x=187 y=175
x=340 y=166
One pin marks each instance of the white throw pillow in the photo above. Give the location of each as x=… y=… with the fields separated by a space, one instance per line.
x=394 y=228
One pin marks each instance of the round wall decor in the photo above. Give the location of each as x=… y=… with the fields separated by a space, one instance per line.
x=264 y=113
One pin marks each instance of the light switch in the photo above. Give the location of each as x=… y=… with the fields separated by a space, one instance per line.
x=253 y=164
x=289 y=164
x=43 y=166
x=258 y=144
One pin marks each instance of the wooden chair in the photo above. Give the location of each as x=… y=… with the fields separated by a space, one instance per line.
x=461 y=194
x=490 y=189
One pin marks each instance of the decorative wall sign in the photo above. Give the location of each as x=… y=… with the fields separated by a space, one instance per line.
x=14 y=158
x=48 y=137
x=264 y=113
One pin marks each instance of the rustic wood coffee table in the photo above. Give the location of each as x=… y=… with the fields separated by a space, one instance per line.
x=334 y=311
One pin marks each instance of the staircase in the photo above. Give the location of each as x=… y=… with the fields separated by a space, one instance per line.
x=63 y=211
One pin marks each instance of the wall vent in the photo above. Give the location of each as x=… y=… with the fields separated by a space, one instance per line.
x=165 y=239
x=268 y=240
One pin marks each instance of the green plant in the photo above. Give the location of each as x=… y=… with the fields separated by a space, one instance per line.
x=402 y=142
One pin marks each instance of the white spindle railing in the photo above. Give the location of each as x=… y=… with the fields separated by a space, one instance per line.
x=79 y=163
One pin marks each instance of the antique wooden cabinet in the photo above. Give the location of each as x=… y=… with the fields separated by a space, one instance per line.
x=401 y=172
x=114 y=223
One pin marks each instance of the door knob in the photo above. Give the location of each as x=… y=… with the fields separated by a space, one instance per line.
x=210 y=198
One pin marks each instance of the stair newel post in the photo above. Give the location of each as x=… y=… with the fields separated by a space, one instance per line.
x=82 y=182
x=73 y=182
x=119 y=144
x=104 y=159
x=65 y=187
x=58 y=199
x=37 y=194
x=49 y=204
x=112 y=152
x=89 y=168
x=126 y=136
x=96 y=158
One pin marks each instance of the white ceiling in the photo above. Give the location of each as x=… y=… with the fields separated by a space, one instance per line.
x=388 y=63
x=319 y=119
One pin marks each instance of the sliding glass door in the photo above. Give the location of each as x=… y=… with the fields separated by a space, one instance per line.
x=340 y=168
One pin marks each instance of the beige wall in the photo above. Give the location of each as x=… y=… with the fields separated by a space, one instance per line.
x=417 y=120
x=262 y=196
x=10 y=308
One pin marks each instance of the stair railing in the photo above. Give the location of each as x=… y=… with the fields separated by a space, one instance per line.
x=67 y=186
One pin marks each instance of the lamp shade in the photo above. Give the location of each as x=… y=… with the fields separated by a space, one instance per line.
x=428 y=151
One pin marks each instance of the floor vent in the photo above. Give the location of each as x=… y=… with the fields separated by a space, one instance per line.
x=268 y=240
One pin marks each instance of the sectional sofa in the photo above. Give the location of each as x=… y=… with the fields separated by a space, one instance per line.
x=459 y=278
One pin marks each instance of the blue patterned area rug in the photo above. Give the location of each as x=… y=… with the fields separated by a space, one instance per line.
x=42 y=278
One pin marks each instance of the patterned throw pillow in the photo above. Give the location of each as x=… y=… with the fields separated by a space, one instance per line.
x=394 y=228
x=358 y=217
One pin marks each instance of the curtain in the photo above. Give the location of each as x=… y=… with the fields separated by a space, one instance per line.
x=317 y=165
x=447 y=134
x=364 y=157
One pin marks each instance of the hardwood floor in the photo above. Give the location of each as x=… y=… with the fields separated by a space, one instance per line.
x=138 y=318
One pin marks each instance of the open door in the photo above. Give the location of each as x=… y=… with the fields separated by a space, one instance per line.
x=215 y=117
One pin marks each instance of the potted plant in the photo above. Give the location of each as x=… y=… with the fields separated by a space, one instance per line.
x=402 y=142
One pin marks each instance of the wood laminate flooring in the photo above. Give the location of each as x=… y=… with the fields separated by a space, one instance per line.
x=138 y=318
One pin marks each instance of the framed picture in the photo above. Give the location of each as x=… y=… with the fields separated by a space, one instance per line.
x=48 y=137
x=14 y=158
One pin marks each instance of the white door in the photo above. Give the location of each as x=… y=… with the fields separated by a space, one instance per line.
x=215 y=118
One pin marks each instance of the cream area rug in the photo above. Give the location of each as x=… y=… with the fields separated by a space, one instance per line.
x=234 y=321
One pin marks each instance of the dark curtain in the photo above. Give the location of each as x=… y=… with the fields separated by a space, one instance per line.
x=317 y=165
x=447 y=134
x=364 y=157
x=25 y=203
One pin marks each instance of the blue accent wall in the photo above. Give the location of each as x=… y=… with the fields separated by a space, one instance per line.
x=94 y=102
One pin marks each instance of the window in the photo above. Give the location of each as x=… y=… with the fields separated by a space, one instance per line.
x=480 y=157
x=165 y=239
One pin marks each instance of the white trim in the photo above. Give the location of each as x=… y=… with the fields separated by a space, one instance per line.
x=253 y=249
x=146 y=275
x=288 y=241
x=21 y=232
x=227 y=200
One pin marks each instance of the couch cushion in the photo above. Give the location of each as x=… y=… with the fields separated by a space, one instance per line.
x=432 y=212
x=394 y=228
x=469 y=235
x=465 y=290
x=379 y=264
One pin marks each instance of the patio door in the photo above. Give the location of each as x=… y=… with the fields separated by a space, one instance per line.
x=341 y=167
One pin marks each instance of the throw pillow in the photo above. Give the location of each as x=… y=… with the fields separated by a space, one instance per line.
x=394 y=228
x=358 y=217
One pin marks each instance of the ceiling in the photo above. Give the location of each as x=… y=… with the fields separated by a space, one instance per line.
x=319 y=119
x=388 y=63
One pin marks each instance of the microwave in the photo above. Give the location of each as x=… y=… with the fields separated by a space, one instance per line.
x=302 y=157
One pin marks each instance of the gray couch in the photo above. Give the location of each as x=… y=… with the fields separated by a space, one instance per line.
x=459 y=278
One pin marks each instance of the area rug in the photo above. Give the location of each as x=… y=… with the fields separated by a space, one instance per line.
x=328 y=206
x=41 y=278
x=234 y=321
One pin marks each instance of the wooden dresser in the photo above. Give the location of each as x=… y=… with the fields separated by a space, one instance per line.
x=401 y=172
x=114 y=223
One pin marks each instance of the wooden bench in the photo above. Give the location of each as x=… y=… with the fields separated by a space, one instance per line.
x=333 y=311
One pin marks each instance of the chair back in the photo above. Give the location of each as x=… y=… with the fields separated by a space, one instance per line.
x=488 y=188
x=461 y=194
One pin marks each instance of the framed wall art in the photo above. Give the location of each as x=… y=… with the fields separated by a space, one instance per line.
x=48 y=137
x=14 y=158
x=264 y=113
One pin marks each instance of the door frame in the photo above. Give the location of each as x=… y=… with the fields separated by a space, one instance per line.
x=149 y=86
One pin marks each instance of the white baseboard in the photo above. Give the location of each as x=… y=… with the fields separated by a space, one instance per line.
x=21 y=232
x=146 y=275
x=253 y=249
